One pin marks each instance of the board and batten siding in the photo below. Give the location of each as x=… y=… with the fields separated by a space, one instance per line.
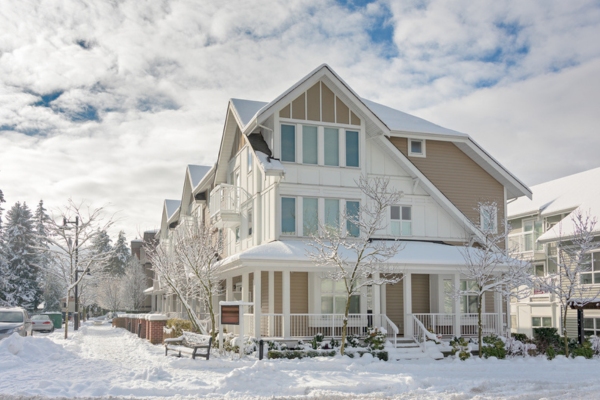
x=299 y=292
x=420 y=293
x=394 y=304
x=457 y=176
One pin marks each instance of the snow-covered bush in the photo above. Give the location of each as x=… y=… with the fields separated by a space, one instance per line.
x=493 y=346
x=179 y=325
x=352 y=341
x=595 y=343
x=461 y=348
x=376 y=338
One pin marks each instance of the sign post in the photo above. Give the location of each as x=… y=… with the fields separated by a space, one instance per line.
x=232 y=313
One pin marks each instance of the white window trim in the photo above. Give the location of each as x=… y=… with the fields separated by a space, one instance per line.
x=594 y=269
x=541 y=317
x=400 y=220
x=482 y=211
x=410 y=152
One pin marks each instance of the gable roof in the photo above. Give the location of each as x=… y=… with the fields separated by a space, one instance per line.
x=578 y=192
x=197 y=173
x=171 y=207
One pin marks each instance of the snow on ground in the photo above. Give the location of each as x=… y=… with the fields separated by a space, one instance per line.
x=101 y=361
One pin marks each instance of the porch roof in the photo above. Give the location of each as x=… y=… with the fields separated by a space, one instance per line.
x=413 y=253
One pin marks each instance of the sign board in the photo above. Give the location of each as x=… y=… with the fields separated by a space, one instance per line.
x=230 y=315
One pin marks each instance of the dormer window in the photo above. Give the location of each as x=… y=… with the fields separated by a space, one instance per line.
x=416 y=148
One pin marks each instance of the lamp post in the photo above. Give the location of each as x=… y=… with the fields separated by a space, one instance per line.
x=77 y=271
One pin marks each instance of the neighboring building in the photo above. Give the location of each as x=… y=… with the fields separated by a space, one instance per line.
x=138 y=251
x=537 y=225
x=284 y=165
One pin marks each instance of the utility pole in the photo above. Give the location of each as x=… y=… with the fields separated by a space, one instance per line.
x=77 y=271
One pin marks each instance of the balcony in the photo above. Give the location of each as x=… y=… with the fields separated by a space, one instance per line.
x=525 y=242
x=225 y=205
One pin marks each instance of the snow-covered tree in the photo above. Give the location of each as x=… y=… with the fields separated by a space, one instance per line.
x=73 y=230
x=134 y=283
x=121 y=255
x=349 y=248
x=52 y=289
x=573 y=261
x=22 y=287
x=196 y=248
x=1 y=209
x=109 y=293
x=490 y=266
x=102 y=244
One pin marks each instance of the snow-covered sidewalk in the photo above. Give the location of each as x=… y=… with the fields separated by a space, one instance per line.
x=103 y=361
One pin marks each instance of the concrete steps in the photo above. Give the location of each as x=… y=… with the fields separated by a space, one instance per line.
x=408 y=349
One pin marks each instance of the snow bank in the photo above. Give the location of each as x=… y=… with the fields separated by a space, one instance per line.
x=18 y=350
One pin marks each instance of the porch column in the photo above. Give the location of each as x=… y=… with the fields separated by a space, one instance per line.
x=257 y=303
x=377 y=300
x=457 y=330
x=408 y=323
x=229 y=289
x=271 y=303
x=285 y=285
x=498 y=309
x=246 y=287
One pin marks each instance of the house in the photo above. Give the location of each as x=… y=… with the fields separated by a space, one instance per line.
x=537 y=226
x=138 y=250
x=286 y=164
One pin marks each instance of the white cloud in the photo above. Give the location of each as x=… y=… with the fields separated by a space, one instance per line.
x=160 y=73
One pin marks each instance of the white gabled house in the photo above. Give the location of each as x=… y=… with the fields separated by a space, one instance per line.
x=284 y=165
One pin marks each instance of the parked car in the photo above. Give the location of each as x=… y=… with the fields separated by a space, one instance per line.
x=42 y=323
x=14 y=320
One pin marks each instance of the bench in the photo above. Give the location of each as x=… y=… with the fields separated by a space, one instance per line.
x=189 y=343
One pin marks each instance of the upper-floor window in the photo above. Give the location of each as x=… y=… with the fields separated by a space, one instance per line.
x=310 y=216
x=288 y=143
x=532 y=230
x=352 y=215
x=310 y=148
x=401 y=220
x=249 y=160
x=489 y=218
x=332 y=213
x=592 y=276
x=250 y=221
x=416 y=147
x=288 y=215
x=331 y=146
x=352 y=149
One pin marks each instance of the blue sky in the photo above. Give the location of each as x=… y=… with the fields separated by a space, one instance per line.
x=109 y=101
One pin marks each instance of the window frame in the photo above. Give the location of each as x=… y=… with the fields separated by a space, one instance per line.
x=466 y=295
x=250 y=221
x=542 y=318
x=295 y=160
x=401 y=220
x=491 y=210
x=304 y=216
x=595 y=329
x=334 y=294
x=594 y=271
x=295 y=216
x=249 y=160
x=423 y=150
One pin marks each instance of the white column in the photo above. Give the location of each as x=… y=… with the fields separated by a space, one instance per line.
x=229 y=289
x=245 y=287
x=257 y=303
x=457 y=326
x=498 y=310
x=271 y=303
x=285 y=285
x=376 y=296
x=408 y=323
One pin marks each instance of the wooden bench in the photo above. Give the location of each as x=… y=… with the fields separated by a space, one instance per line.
x=189 y=343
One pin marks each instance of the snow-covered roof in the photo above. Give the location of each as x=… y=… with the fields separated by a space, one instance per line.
x=197 y=172
x=413 y=253
x=247 y=109
x=171 y=206
x=564 y=195
x=269 y=165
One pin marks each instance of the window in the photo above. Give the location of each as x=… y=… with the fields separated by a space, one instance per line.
x=288 y=216
x=416 y=147
x=309 y=144
x=331 y=141
x=237 y=234
x=288 y=143
x=250 y=221
x=249 y=160
x=541 y=322
x=333 y=298
x=591 y=326
x=332 y=213
x=593 y=274
x=401 y=220
x=468 y=299
x=351 y=149
x=489 y=218
x=310 y=218
x=532 y=231
x=352 y=214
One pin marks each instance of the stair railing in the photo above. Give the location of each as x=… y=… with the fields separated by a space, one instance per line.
x=421 y=334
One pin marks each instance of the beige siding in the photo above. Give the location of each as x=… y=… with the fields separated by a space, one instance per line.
x=420 y=293
x=394 y=304
x=457 y=176
x=299 y=293
x=285 y=112
x=313 y=102
x=354 y=120
x=264 y=292
x=342 y=112
x=571 y=323
x=328 y=104
x=299 y=107
x=489 y=302
x=278 y=293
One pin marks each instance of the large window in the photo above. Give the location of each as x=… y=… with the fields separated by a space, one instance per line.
x=333 y=298
x=352 y=215
x=310 y=153
x=288 y=143
x=591 y=326
x=468 y=299
x=331 y=141
x=592 y=276
x=532 y=231
x=352 y=149
x=401 y=220
x=288 y=215
x=332 y=213
x=541 y=322
x=310 y=216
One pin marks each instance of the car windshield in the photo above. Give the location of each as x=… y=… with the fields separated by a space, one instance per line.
x=40 y=318
x=11 y=316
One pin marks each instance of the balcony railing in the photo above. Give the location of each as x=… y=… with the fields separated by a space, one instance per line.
x=226 y=202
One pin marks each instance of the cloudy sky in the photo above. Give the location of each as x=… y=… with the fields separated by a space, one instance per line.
x=108 y=101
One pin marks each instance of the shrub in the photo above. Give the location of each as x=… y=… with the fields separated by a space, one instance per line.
x=461 y=347
x=550 y=353
x=293 y=354
x=493 y=346
x=179 y=325
x=521 y=337
x=375 y=339
x=352 y=341
x=544 y=338
x=584 y=350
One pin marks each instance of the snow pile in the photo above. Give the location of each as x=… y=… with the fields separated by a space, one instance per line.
x=17 y=350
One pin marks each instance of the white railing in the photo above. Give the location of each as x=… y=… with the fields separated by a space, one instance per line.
x=308 y=325
x=444 y=324
x=226 y=199
x=421 y=334
x=391 y=328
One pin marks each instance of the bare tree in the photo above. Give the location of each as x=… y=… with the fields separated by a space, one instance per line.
x=490 y=266
x=71 y=231
x=197 y=249
x=109 y=293
x=573 y=261
x=348 y=247
x=135 y=282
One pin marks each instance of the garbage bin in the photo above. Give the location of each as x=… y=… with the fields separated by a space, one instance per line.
x=56 y=318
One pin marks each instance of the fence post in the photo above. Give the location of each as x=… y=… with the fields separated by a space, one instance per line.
x=260 y=349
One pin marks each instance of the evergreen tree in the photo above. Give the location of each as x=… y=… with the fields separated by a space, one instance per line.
x=101 y=244
x=51 y=287
x=121 y=255
x=1 y=209
x=21 y=256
